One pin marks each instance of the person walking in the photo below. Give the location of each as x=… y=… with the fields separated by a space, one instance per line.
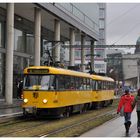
x=125 y=103
x=19 y=89
x=136 y=103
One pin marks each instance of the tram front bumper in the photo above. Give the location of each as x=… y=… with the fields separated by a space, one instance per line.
x=30 y=110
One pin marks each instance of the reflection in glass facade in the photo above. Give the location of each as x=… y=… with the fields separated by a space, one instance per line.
x=19 y=64
x=19 y=41
x=30 y=47
x=30 y=44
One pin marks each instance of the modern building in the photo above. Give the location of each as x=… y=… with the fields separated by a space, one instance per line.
x=99 y=50
x=102 y=24
x=27 y=28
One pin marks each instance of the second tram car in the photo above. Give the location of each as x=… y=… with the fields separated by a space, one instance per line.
x=60 y=92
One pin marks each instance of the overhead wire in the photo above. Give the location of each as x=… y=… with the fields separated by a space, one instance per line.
x=120 y=16
x=124 y=35
x=123 y=14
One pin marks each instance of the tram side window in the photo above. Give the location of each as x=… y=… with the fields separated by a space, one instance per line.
x=93 y=85
x=110 y=85
x=105 y=85
x=67 y=82
x=61 y=82
x=102 y=85
x=83 y=85
x=99 y=85
x=88 y=84
x=72 y=83
x=77 y=83
x=52 y=83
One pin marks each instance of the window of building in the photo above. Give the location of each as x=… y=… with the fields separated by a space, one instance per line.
x=19 y=40
x=30 y=44
x=101 y=13
x=101 y=24
x=77 y=54
x=20 y=63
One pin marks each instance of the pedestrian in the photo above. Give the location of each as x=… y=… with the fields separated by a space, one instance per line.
x=137 y=103
x=125 y=103
x=19 y=89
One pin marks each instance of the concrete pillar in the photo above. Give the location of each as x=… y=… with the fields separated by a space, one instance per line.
x=57 y=38
x=92 y=55
x=37 y=21
x=72 y=42
x=83 y=41
x=9 y=53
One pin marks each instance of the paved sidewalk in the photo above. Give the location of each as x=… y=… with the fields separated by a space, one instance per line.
x=10 y=110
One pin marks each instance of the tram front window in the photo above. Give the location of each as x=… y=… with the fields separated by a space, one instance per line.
x=39 y=82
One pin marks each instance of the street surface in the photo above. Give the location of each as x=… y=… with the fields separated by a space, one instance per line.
x=10 y=112
x=114 y=128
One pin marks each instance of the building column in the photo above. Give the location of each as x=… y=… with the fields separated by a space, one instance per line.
x=92 y=55
x=37 y=19
x=9 y=53
x=57 y=38
x=83 y=41
x=72 y=42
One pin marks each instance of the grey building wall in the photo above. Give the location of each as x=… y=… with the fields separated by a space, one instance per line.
x=130 y=65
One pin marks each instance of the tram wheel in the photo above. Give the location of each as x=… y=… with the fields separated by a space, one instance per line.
x=25 y=113
x=66 y=113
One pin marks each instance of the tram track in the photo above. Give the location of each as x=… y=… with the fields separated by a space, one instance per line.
x=33 y=127
x=65 y=128
x=15 y=126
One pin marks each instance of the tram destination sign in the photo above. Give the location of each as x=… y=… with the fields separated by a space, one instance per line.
x=38 y=71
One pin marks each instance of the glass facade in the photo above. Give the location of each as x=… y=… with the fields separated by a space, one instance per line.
x=24 y=36
x=30 y=48
x=23 y=47
x=19 y=41
x=1 y=35
x=30 y=44
x=2 y=73
x=19 y=64
x=2 y=61
x=88 y=13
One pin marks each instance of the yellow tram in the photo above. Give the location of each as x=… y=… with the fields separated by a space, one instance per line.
x=57 y=91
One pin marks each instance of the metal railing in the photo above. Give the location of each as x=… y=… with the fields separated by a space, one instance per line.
x=74 y=11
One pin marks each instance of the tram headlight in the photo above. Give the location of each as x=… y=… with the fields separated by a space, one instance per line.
x=45 y=101
x=25 y=100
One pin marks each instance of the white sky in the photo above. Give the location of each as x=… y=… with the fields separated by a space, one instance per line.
x=123 y=23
